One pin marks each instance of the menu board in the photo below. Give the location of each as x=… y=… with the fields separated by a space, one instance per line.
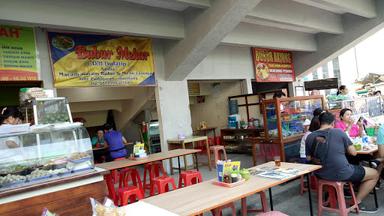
x=273 y=65
x=85 y=60
x=17 y=53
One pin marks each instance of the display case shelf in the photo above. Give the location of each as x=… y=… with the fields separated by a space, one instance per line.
x=284 y=119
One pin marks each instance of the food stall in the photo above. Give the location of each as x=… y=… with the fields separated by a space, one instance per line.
x=52 y=165
x=283 y=123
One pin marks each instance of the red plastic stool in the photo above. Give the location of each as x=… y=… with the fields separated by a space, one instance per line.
x=264 y=205
x=110 y=181
x=130 y=193
x=217 y=211
x=314 y=184
x=216 y=152
x=272 y=213
x=154 y=170
x=189 y=177
x=130 y=174
x=161 y=183
x=338 y=186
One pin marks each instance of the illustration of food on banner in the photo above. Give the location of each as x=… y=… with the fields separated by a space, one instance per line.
x=273 y=65
x=83 y=60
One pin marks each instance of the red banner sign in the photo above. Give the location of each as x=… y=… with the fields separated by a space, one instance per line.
x=273 y=65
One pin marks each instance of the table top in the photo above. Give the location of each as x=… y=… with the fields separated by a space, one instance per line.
x=202 y=197
x=205 y=129
x=151 y=158
x=188 y=139
x=371 y=150
x=142 y=208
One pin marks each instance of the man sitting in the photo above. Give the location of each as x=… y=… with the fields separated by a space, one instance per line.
x=335 y=166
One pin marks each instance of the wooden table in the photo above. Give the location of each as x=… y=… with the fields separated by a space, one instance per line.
x=373 y=149
x=202 y=197
x=143 y=208
x=151 y=158
x=114 y=165
x=189 y=140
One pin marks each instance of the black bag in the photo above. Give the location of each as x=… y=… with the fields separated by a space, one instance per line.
x=319 y=149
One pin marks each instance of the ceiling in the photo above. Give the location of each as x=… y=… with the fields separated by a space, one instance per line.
x=316 y=30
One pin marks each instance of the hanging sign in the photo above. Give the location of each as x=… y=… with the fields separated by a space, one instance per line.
x=17 y=53
x=84 y=60
x=273 y=65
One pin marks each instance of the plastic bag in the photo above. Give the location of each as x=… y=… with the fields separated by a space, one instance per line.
x=106 y=209
x=46 y=212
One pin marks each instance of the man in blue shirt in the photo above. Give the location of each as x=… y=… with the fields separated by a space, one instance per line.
x=335 y=166
x=115 y=142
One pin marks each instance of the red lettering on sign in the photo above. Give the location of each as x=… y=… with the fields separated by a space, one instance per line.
x=125 y=53
x=13 y=32
x=83 y=53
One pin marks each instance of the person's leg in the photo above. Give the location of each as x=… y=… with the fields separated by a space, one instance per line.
x=367 y=184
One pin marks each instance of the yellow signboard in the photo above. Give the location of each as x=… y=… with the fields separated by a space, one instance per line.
x=82 y=60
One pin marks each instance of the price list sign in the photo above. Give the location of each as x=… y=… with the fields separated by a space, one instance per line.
x=17 y=53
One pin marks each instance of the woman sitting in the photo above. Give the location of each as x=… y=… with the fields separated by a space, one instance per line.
x=347 y=125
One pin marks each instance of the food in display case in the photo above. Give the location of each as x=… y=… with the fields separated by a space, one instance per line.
x=292 y=112
x=44 y=155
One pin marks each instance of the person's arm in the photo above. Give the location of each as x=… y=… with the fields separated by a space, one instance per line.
x=361 y=128
x=351 y=150
x=380 y=151
x=124 y=140
x=348 y=145
x=308 y=146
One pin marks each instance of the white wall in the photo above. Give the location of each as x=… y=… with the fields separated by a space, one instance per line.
x=225 y=62
x=96 y=118
x=215 y=108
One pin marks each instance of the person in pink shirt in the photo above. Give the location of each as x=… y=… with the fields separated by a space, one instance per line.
x=347 y=125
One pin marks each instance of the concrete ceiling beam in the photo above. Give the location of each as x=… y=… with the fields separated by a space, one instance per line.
x=203 y=34
x=110 y=17
x=330 y=46
x=363 y=8
x=196 y=3
x=261 y=36
x=288 y=14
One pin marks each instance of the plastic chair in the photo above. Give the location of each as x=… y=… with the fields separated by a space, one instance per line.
x=272 y=213
x=189 y=177
x=339 y=188
x=216 y=152
x=314 y=184
x=264 y=205
x=217 y=211
x=162 y=184
x=152 y=170
x=130 y=174
x=130 y=193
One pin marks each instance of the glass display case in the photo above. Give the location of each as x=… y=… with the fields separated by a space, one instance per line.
x=43 y=154
x=284 y=117
x=154 y=137
x=47 y=110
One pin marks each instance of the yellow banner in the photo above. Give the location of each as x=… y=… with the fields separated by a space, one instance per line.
x=81 y=60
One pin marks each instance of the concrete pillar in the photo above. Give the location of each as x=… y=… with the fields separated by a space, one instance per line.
x=173 y=112
x=246 y=86
x=43 y=57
